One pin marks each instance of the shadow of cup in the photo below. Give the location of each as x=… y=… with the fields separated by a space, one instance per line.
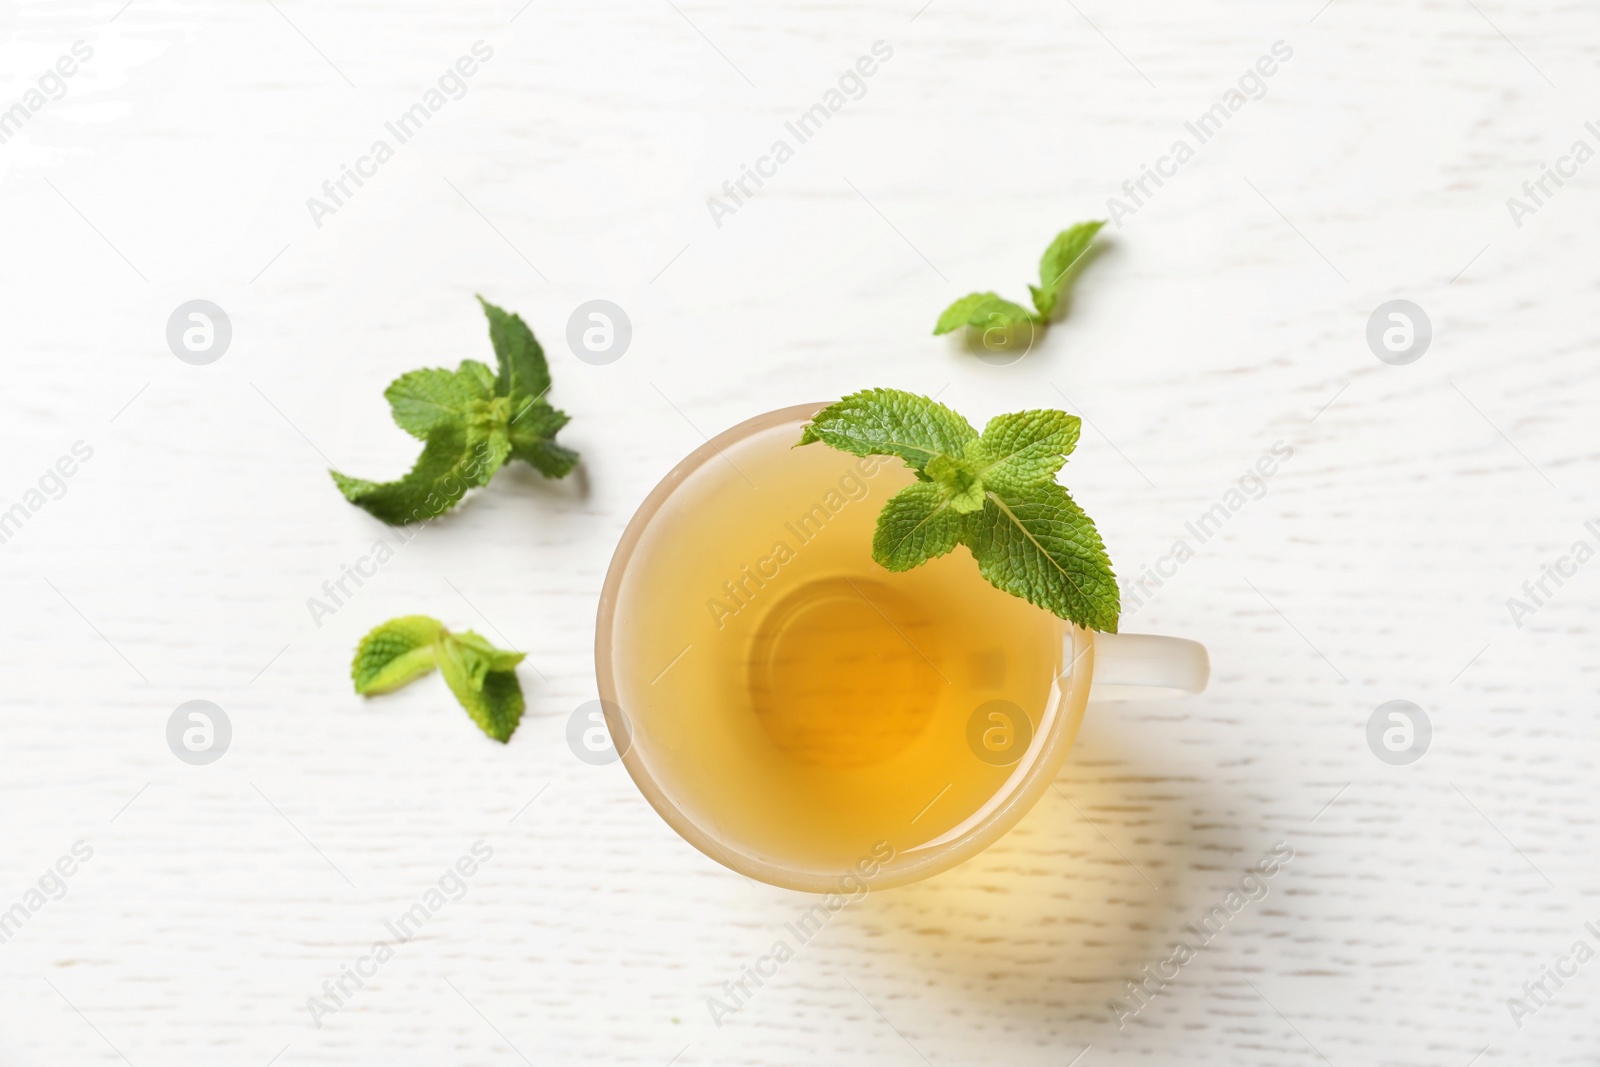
x=1049 y=923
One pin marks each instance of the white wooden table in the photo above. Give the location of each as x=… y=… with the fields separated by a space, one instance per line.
x=1228 y=313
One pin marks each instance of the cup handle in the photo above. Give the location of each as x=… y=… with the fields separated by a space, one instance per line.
x=1140 y=666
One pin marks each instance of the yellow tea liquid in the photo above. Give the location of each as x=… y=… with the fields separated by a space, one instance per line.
x=797 y=699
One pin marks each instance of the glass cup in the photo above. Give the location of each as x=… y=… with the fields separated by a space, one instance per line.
x=791 y=709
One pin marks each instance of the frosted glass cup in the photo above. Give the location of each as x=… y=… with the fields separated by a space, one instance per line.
x=934 y=710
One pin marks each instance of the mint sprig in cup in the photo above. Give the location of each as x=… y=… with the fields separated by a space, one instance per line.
x=995 y=493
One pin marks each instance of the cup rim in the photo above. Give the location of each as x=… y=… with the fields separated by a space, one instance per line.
x=1000 y=819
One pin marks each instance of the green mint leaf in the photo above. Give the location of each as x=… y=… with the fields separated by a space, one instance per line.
x=425 y=400
x=547 y=457
x=533 y=433
x=479 y=656
x=523 y=370
x=1024 y=450
x=990 y=311
x=958 y=478
x=481 y=373
x=994 y=493
x=916 y=525
x=1044 y=301
x=482 y=677
x=1041 y=546
x=497 y=707
x=491 y=696
x=888 y=422
x=982 y=311
x=489 y=430
x=472 y=419
x=961 y=312
x=452 y=461
x=524 y=377
x=1001 y=314
x=1055 y=266
x=399 y=651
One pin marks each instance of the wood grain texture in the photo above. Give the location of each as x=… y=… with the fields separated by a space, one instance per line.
x=1226 y=315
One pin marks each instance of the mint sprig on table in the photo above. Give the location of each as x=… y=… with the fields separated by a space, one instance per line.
x=472 y=419
x=994 y=492
x=481 y=676
x=989 y=310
